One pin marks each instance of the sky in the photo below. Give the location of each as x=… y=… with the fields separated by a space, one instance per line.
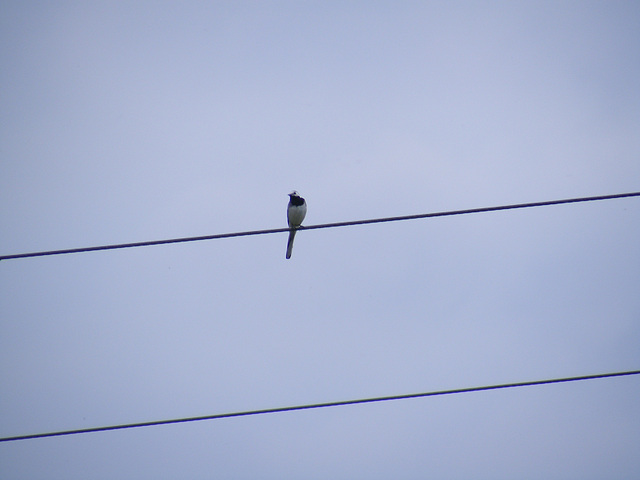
x=133 y=121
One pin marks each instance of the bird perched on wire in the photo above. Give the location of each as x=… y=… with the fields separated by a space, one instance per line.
x=296 y=211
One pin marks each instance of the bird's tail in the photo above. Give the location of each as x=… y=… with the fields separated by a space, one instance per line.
x=292 y=234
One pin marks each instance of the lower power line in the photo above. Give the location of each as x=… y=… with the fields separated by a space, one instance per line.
x=319 y=405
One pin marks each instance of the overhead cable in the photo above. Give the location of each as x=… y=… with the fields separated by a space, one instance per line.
x=325 y=225
x=318 y=405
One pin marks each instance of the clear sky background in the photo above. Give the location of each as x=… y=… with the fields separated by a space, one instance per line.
x=133 y=121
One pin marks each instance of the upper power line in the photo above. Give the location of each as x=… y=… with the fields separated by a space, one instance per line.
x=319 y=405
x=325 y=225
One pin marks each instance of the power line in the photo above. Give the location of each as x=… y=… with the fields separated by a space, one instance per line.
x=325 y=225
x=318 y=405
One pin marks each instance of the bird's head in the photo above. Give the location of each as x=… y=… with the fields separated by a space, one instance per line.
x=294 y=194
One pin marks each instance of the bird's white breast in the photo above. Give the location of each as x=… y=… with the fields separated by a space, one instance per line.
x=296 y=214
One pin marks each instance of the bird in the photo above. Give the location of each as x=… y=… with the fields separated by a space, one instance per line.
x=296 y=211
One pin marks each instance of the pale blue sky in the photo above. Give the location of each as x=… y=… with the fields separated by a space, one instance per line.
x=133 y=121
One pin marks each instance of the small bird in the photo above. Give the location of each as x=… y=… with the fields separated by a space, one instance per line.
x=296 y=211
